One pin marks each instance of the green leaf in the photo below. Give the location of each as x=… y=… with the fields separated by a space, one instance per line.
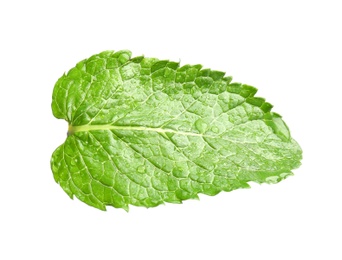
x=144 y=131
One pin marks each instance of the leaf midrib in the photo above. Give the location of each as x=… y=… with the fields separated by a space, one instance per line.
x=84 y=128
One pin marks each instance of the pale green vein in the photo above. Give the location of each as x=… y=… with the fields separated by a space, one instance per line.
x=84 y=128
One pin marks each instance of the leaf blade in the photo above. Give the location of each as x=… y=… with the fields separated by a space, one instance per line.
x=144 y=132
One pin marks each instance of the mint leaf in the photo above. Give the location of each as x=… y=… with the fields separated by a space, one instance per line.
x=144 y=131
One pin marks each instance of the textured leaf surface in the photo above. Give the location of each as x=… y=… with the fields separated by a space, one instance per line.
x=144 y=132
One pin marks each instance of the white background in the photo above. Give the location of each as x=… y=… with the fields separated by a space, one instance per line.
x=289 y=50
